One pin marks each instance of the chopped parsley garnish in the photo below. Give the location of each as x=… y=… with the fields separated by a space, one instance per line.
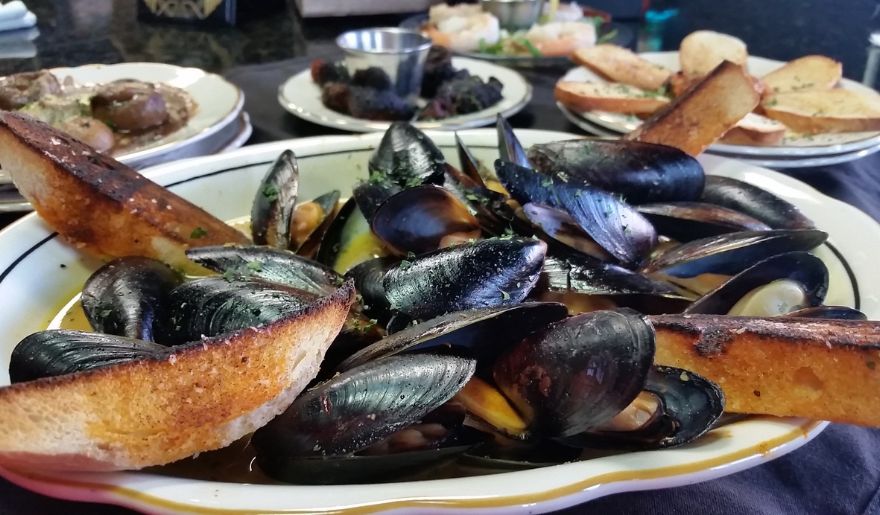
x=198 y=233
x=270 y=192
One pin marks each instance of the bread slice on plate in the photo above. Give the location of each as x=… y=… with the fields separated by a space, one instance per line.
x=808 y=73
x=615 y=98
x=701 y=51
x=100 y=204
x=755 y=129
x=618 y=64
x=704 y=112
x=835 y=110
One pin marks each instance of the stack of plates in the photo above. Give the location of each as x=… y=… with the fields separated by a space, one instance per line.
x=218 y=125
x=795 y=151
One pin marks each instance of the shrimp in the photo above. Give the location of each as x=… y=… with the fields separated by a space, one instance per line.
x=464 y=33
x=566 y=12
x=561 y=38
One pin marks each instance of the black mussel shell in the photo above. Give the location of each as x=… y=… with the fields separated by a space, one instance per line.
x=614 y=225
x=830 y=312
x=469 y=164
x=754 y=201
x=686 y=221
x=578 y=273
x=368 y=278
x=641 y=172
x=509 y=147
x=128 y=297
x=369 y=195
x=347 y=229
x=478 y=333
x=267 y=264
x=731 y=253
x=486 y=273
x=307 y=246
x=689 y=406
x=421 y=219
x=212 y=306
x=801 y=267
x=561 y=227
x=510 y=454
x=364 y=405
x=407 y=157
x=577 y=373
x=59 y=352
x=274 y=202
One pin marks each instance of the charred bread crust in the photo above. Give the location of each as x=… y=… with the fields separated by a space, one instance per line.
x=98 y=203
x=821 y=369
x=202 y=396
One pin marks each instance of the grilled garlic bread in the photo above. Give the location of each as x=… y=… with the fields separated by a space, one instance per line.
x=696 y=119
x=146 y=412
x=702 y=51
x=755 y=129
x=622 y=65
x=808 y=73
x=616 y=98
x=835 y=110
x=98 y=203
x=814 y=368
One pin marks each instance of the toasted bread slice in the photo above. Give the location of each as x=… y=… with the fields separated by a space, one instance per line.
x=821 y=369
x=835 y=110
x=618 y=64
x=808 y=73
x=679 y=83
x=98 y=203
x=702 y=51
x=616 y=98
x=704 y=113
x=150 y=412
x=755 y=129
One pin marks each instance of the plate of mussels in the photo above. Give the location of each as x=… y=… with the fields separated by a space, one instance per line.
x=456 y=93
x=539 y=321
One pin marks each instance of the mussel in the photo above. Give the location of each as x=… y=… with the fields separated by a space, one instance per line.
x=274 y=203
x=754 y=201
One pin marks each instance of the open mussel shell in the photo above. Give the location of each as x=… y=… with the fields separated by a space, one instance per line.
x=475 y=333
x=687 y=407
x=829 y=312
x=407 y=157
x=469 y=164
x=212 y=306
x=369 y=195
x=423 y=219
x=578 y=273
x=357 y=408
x=577 y=373
x=754 y=201
x=561 y=227
x=59 y=352
x=641 y=172
x=731 y=253
x=509 y=147
x=306 y=243
x=486 y=273
x=274 y=202
x=349 y=240
x=267 y=264
x=806 y=273
x=489 y=207
x=128 y=297
x=614 y=225
x=510 y=454
x=687 y=221
x=368 y=278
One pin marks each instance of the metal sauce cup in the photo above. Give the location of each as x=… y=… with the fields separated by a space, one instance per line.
x=514 y=15
x=401 y=53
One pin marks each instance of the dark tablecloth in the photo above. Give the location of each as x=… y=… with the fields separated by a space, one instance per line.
x=837 y=473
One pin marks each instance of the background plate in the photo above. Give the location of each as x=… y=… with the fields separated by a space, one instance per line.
x=31 y=255
x=300 y=96
x=793 y=146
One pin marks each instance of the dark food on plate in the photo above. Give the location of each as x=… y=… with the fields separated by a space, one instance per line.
x=368 y=94
x=116 y=117
x=495 y=315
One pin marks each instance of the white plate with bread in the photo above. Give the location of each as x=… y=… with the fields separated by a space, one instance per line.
x=806 y=108
x=35 y=260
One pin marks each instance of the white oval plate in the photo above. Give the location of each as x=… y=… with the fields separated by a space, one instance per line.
x=793 y=145
x=30 y=272
x=300 y=96
x=219 y=101
x=775 y=162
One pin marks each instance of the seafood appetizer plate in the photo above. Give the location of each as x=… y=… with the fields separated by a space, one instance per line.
x=218 y=104
x=775 y=162
x=794 y=146
x=300 y=96
x=33 y=259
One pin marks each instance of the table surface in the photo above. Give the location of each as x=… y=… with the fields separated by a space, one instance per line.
x=837 y=473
